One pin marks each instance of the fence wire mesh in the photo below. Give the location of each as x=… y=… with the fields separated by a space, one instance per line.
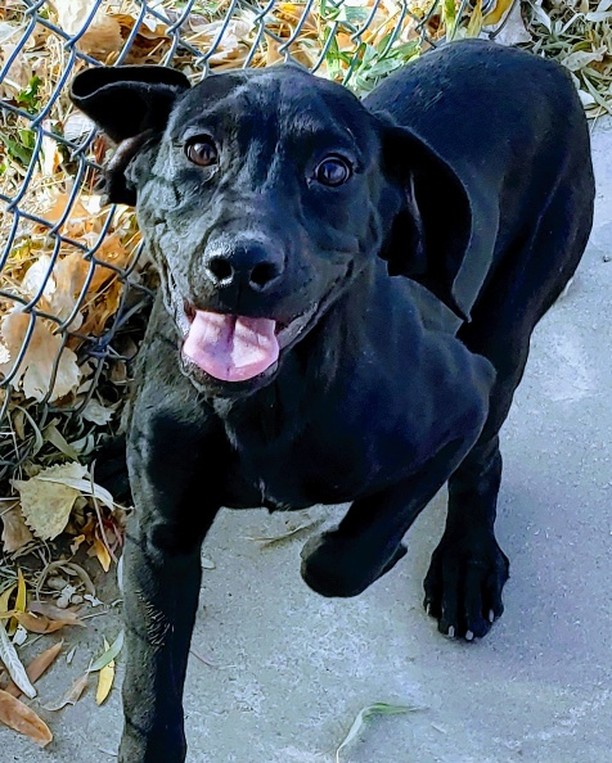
x=74 y=284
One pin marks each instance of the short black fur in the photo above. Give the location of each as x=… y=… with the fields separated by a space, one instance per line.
x=472 y=183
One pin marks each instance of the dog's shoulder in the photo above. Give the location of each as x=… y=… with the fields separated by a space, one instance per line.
x=465 y=95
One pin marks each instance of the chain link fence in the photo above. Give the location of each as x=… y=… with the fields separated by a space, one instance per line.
x=74 y=283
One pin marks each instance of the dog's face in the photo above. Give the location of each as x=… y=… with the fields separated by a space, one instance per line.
x=262 y=195
x=260 y=203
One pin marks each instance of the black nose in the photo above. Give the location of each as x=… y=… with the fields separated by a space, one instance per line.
x=247 y=264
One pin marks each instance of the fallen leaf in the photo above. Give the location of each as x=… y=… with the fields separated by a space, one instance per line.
x=16 y=715
x=16 y=79
x=97 y=413
x=15 y=532
x=57 y=439
x=61 y=284
x=10 y=658
x=5 y=598
x=36 y=369
x=46 y=499
x=512 y=29
x=38 y=623
x=378 y=708
x=102 y=34
x=20 y=636
x=109 y=654
x=105 y=678
x=276 y=540
x=71 y=478
x=20 y=604
x=99 y=550
x=20 y=601
x=38 y=667
x=63 y=616
x=581 y=58
x=73 y=695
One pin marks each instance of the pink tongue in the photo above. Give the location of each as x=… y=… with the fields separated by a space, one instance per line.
x=231 y=347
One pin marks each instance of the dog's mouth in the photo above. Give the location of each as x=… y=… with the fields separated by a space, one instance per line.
x=236 y=348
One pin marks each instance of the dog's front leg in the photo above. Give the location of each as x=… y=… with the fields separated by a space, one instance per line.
x=175 y=506
x=367 y=543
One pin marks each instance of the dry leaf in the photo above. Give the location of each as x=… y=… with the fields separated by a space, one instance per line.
x=365 y=714
x=9 y=657
x=16 y=715
x=38 y=623
x=15 y=532
x=21 y=600
x=73 y=695
x=507 y=14
x=18 y=76
x=99 y=550
x=105 y=679
x=581 y=58
x=103 y=33
x=4 y=600
x=38 y=667
x=35 y=371
x=20 y=605
x=47 y=504
x=97 y=413
x=82 y=485
x=63 y=616
x=61 y=284
x=105 y=682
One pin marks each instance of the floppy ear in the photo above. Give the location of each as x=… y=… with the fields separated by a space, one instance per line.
x=432 y=233
x=131 y=104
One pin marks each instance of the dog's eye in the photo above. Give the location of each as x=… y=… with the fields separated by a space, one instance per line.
x=202 y=151
x=333 y=171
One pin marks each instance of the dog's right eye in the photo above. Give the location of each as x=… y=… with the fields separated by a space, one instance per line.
x=202 y=151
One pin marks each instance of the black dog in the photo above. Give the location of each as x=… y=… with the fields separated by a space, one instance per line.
x=284 y=366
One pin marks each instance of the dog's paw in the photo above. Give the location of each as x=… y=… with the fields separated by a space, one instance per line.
x=334 y=565
x=463 y=588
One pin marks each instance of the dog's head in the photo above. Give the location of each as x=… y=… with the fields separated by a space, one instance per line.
x=262 y=195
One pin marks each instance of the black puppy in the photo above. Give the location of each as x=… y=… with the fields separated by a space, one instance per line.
x=284 y=366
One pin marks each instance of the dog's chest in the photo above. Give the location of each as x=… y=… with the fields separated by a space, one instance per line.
x=324 y=456
x=289 y=472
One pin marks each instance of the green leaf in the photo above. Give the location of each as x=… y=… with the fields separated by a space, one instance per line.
x=378 y=708
x=29 y=98
x=109 y=655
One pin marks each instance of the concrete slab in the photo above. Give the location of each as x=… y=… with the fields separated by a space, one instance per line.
x=285 y=671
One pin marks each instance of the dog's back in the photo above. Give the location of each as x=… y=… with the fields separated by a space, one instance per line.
x=512 y=126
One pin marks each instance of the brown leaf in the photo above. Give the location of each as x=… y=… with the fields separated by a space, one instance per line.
x=38 y=623
x=16 y=715
x=15 y=532
x=64 y=616
x=36 y=368
x=73 y=695
x=39 y=665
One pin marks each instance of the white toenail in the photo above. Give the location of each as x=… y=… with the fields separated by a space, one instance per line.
x=491 y=616
x=469 y=635
x=451 y=631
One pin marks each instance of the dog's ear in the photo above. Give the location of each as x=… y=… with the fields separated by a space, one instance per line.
x=433 y=226
x=130 y=104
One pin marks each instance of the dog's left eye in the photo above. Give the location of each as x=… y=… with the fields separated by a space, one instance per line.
x=333 y=171
x=202 y=151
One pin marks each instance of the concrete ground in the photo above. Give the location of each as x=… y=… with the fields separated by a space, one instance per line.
x=281 y=673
